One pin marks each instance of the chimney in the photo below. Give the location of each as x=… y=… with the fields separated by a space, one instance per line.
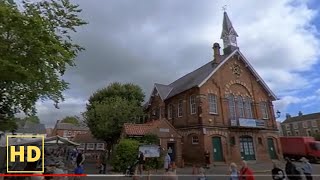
x=300 y=113
x=216 y=53
x=288 y=116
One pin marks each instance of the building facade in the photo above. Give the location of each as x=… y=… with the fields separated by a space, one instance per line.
x=301 y=125
x=224 y=107
x=91 y=146
x=68 y=130
x=168 y=135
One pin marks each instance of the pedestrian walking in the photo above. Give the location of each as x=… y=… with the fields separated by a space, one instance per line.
x=207 y=158
x=277 y=173
x=306 y=168
x=80 y=158
x=291 y=171
x=234 y=173
x=167 y=161
x=141 y=161
x=245 y=172
x=202 y=174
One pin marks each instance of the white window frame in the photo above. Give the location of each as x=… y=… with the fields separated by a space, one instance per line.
x=193 y=108
x=289 y=133
x=314 y=123
x=90 y=148
x=195 y=139
x=287 y=126
x=213 y=103
x=307 y=132
x=170 y=110
x=264 y=110
x=100 y=148
x=82 y=146
x=232 y=108
x=305 y=124
x=240 y=107
x=180 y=108
x=295 y=125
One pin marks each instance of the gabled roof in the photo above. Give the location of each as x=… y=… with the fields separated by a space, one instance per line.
x=32 y=128
x=163 y=90
x=86 y=138
x=69 y=126
x=201 y=75
x=313 y=116
x=146 y=128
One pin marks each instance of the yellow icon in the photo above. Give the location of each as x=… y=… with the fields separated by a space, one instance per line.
x=34 y=153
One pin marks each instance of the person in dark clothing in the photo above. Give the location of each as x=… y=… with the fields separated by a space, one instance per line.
x=291 y=171
x=207 y=158
x=277 y=173
x=80 y=158
x=140 y=162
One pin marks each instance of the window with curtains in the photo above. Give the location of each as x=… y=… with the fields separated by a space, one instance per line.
x=232 y=107
x=170 y=108
x=248 y=108
x=213 y=104
x=193 y=109
x=264 y=110
x=180 y=108
x=240 y=107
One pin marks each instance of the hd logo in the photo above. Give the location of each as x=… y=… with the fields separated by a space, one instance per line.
x=24 y=153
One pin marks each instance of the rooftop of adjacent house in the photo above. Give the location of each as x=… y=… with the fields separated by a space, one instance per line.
x=32 y=128
x=131 y=129
x=69 y=126
x=301 y=117
x=86 y=138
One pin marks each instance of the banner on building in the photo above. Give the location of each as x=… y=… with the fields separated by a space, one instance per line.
x=150 y=150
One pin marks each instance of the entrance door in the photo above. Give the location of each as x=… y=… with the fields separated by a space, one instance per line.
x=171 y=150
x=272 y=149
x=247 y=148
x=217 y=149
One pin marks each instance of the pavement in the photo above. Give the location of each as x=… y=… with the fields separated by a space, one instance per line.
x=261 y=170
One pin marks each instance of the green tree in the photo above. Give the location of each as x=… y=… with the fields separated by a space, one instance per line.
x=71 y=119
x=35 y=50
x=32 y=119
x=8 y=124
x=126 y=153
x=316 y=136
x=110 y=108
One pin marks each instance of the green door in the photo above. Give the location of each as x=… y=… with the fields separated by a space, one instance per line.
x=247 y=148
x=217 y=149
x=272 y=149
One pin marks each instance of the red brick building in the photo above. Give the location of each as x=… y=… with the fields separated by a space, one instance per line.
x=68 y=130
x=168 y=135
x=223 y=106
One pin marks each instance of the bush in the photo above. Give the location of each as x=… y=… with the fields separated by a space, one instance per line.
x=126 y=153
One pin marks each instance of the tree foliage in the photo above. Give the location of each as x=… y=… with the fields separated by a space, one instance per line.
x=316 y=136
x=32 y=119
x=110 y=108
x=71 y=119
x=126 y=153
x=35 y=50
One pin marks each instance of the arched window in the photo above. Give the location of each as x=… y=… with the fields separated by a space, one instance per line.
x=240 y=107
x=248 y=108
x=232 y=107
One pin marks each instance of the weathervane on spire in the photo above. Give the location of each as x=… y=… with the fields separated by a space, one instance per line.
x=224 y=8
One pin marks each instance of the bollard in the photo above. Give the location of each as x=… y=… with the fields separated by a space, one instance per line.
x=149 y=175
x=193 y=169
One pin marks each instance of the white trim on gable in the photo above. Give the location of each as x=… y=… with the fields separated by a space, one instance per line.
x=259 y=79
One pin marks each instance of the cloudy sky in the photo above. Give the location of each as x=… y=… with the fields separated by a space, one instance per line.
x=146 y=41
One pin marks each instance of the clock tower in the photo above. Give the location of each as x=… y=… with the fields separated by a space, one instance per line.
x=228 y=35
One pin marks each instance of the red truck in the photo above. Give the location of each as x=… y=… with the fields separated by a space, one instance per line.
x=298 y=147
